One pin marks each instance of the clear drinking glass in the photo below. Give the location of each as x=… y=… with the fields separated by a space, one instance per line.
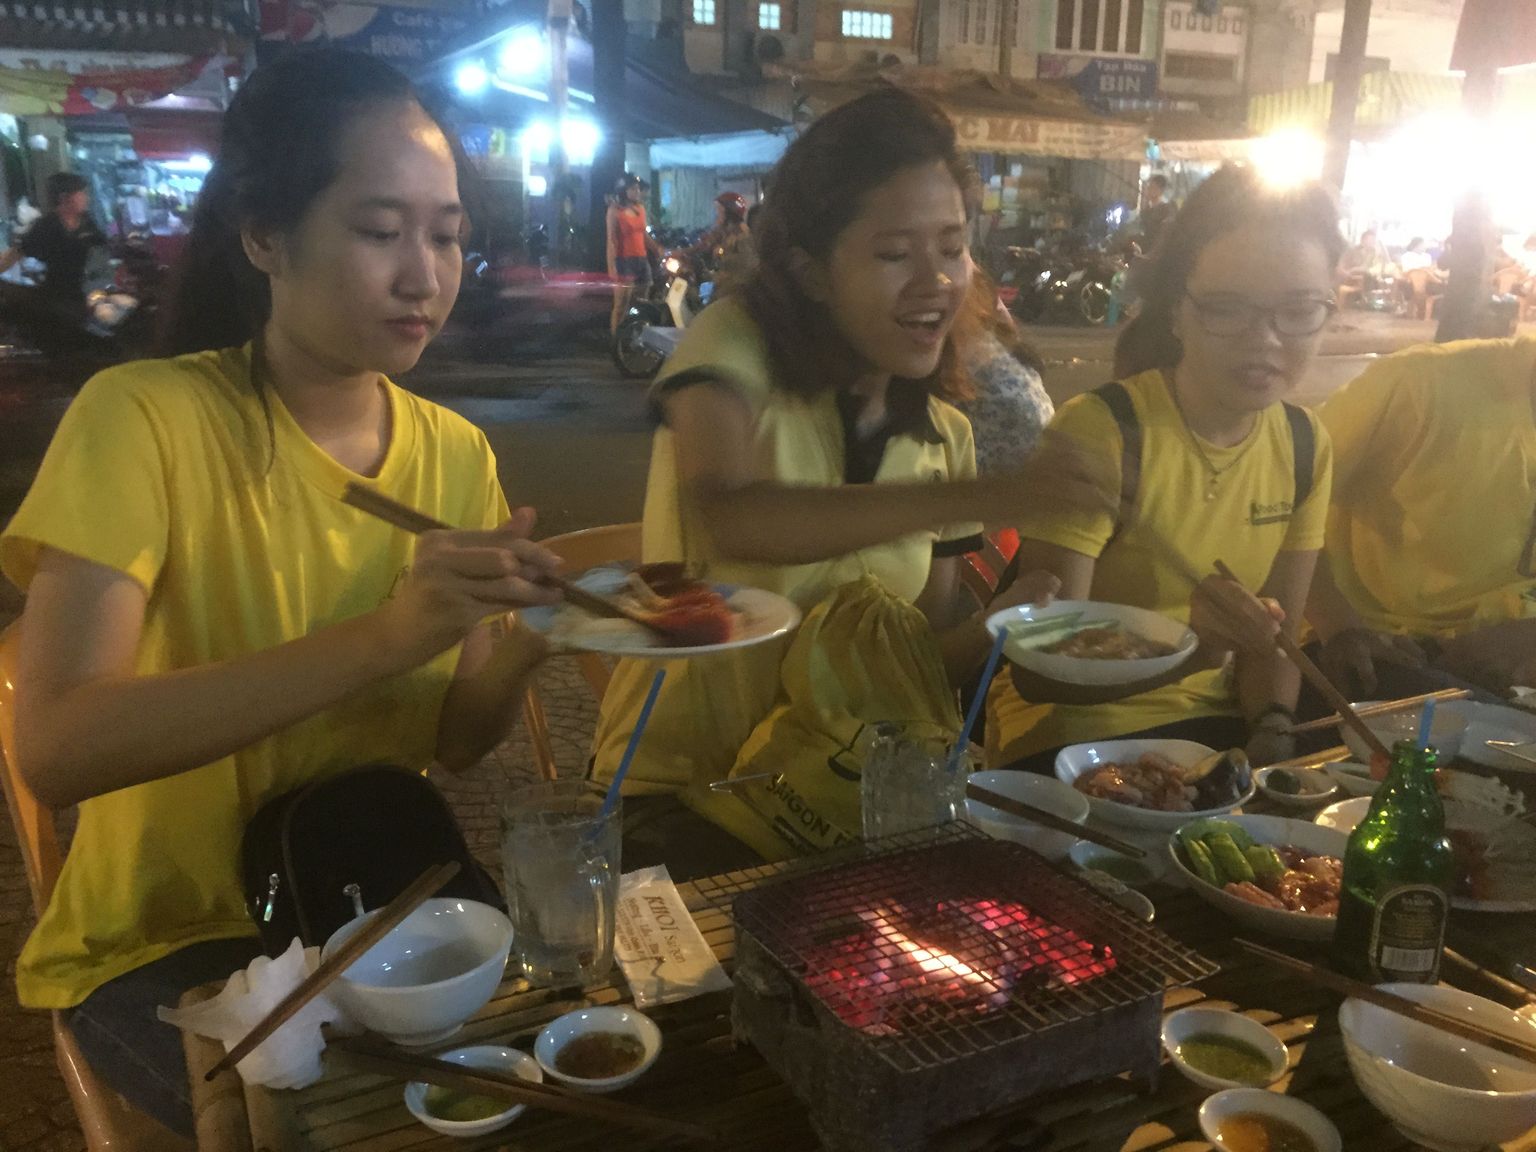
x=561 y=858
x=907 y=782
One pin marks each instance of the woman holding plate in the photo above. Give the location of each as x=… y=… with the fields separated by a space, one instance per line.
x=207 y=624
x=809 y=445
x=1211 y=465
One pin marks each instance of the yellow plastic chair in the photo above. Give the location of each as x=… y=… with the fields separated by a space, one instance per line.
x=108 y=1122
x=610 y=544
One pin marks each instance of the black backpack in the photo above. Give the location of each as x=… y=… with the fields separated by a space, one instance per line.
x=378 y=827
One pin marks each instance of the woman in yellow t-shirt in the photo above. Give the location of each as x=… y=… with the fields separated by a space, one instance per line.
x=1236 y=298
x=207 y=625
x=808 y=446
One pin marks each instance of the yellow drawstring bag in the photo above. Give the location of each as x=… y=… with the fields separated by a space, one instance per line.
x=862 y=656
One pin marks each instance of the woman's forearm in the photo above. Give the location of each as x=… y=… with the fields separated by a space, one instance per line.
x=1328 y=609
x=1263 y=680
x=95 y=737
x=770 y=523
x=481 y=708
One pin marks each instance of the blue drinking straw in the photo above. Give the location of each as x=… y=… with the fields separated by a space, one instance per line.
x=971 y=717
x=634 y=745
x=1426 y=724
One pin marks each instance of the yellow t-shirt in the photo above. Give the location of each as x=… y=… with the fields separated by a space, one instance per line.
x=164 y=470
x=708 y=707
x=1437 y=487
x=1248 y=523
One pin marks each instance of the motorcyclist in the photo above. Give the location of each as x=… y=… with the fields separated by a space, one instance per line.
x=62 y=240
x=724 y=252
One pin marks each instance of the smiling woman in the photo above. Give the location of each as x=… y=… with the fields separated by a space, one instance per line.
x=809 y=446
x=207 y=625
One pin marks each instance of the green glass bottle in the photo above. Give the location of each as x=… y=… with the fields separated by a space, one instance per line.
x=1398 y=872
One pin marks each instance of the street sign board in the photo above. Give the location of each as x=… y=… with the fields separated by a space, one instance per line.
x=1100 y=79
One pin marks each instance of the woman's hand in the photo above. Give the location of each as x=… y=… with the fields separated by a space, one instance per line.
x=1349 y=658
x=461 y=577
x=1228 y=618
x=1497 y=656
x=1269 y=740
x=1038 y=588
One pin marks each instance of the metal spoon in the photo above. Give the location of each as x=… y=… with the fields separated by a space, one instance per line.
x=1512 y=748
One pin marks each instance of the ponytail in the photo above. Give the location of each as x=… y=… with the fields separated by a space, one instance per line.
x=218 y=298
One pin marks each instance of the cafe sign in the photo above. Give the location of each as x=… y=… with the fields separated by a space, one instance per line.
x=1034 y=136
x=1100 y=79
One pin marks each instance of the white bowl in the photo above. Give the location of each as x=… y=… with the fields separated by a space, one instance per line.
x=1242 y=1101
x=1344 y=816
x=1355 y=779
x=1445 y=735
x=492 y=1056
x=1074 y=670
x=1073 y=761
x=1316 y=787
x=1310 y=838
x=1060 y=799
x=433 y=971
x=629 y=1021
x=1440 y=1091
x=1127 y=869
x=1181 y=1026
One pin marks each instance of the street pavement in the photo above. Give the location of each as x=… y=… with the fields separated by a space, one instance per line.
x=572 y=439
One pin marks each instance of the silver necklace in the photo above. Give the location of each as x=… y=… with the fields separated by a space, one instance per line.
x=1214 y=474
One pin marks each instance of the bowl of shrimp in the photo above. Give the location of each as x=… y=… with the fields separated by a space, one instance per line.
x=1272 y=875
x=1155 y=785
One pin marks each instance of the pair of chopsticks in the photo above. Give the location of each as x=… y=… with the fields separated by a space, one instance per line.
x=1406 y=704
x=1287 y=644
x=1051 y=820
x=425 y=885
x=1401 y=1005
x=404 y=517
x=368 y=1056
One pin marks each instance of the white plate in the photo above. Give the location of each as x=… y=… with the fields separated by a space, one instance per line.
x=1074 y=670
x=761 y=616
x=1315 y=839
x=1484 y=722
x=1073 y=761
x=1317 y=787
x=1516 y=895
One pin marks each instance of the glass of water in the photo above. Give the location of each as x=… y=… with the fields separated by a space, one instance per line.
x=561 y=857
x=907 y=782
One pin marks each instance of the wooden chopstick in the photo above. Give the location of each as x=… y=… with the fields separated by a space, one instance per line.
x=1383 y=709
x=1051 y=820
x=405 y=517
x=339 y=961
x=1319 y=681
x=371 y=1057
x=1505 y=985
x=1392 y=1002
x=1316 y=759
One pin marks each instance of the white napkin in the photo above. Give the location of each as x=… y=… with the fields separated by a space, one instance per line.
x=290 y=1057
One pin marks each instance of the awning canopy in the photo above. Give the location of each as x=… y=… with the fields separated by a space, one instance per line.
x=59 y=92
x=991 y=113
x=738 y=150
x=184 y=27
x=1386 y=99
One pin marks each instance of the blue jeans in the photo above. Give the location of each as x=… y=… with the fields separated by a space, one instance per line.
x=130 y=1049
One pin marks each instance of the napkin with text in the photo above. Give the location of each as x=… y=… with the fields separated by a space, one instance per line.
x=657 y=944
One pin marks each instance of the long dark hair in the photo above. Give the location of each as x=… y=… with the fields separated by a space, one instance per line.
x=1232 y=198
x=817 y=189
x=277 y=154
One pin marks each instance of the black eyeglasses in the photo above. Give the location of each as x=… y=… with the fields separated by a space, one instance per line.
x=1235 y=316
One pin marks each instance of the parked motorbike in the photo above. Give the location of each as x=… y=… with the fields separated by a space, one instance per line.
x=117 y=324
x=1060 y=284
x=648 y=333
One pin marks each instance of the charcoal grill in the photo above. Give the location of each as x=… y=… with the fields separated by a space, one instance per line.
x=905 y=986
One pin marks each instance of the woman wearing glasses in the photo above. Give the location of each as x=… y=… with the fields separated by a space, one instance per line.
x=1430 y=566
x=1211 y=464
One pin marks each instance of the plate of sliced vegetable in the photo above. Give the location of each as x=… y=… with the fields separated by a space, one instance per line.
x=1088 y=642
x=1276 y=876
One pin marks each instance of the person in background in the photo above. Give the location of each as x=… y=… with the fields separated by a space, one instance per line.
x=1364 y=264
x=207 y=624
x=1157 y=212
x=630 y=245
x=1429 y=577
x=1413 y=257
x=1211 y=465
x=62 y=241
x=723 y=253
x=1010 y=408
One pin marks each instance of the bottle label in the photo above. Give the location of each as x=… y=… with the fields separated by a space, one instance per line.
x=1408 y=934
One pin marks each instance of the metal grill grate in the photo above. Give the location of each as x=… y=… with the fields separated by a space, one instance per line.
x=942 y=944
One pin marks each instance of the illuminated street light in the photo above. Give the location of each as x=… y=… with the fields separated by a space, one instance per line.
x=522 y=56
x=471 y=78
x=1288 y=157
